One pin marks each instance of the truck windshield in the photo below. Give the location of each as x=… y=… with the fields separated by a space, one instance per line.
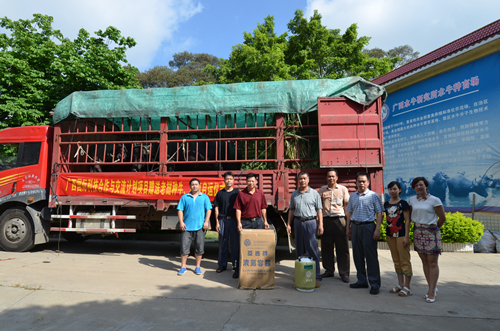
x=8 y=156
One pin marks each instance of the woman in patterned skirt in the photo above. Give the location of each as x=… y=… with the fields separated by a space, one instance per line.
x=427 y=212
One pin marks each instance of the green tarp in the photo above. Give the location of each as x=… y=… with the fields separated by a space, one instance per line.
x=295 y=96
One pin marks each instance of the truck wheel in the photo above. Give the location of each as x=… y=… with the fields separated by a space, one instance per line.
x=74 y=237
x=16 y=230
x=271 y=227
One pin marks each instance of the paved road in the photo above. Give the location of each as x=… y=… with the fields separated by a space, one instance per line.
x=129 y=285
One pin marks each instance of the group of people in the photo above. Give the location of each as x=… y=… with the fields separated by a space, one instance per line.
x=234 y=210
x=332 y=214
x=427 y=214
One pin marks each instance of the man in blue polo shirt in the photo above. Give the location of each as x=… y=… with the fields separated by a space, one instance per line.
x=194 y=211
x=363 y=208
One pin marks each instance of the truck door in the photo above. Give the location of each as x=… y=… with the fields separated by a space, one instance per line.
x=30 y=174
x=9 y=168
x=18 y=167
x=350 y=134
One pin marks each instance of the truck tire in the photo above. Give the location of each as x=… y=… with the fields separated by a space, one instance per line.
x=271 y=227
x=74 y=237
x=16 y=230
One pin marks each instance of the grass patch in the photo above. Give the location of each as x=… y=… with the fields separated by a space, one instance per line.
x=26 y=287
x=212 y=235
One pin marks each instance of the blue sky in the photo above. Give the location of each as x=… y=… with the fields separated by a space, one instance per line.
x=221 y=24
x=164 y=27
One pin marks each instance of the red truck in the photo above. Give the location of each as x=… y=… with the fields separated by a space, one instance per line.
x=118 y=161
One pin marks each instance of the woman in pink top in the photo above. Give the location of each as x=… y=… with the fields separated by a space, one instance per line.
x=427 y=212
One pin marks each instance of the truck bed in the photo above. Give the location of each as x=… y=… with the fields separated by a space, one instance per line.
x=342 y=134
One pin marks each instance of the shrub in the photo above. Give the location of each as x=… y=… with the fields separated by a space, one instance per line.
x=457 y=229
x=383 y=230
x=461 y=229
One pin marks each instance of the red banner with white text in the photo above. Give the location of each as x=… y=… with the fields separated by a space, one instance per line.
x=133 y=187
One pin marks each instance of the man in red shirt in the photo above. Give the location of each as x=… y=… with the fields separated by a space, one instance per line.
x=251 y=209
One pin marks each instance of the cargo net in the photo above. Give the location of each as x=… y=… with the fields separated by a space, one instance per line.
x=189 y=143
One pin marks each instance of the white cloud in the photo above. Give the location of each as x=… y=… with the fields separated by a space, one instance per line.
x=149 y=22
x=425 y=25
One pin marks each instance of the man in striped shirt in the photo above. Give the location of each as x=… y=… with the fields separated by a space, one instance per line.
x=363 y=208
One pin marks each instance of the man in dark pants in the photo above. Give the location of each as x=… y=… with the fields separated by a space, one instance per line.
x=251 y=212
x=363 y=207
x=306 y=212
x=227 y=226
x=334 y=198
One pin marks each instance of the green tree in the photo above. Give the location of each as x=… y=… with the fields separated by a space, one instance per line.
x=261 y=57
x=405 y=53
x=158 y=76
x=319 y=52
x=184 y=70
x=39 y=67
x=375 y=52
x=308 y=51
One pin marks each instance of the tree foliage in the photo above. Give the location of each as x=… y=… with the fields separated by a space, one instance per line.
x=261 y=57
x=405 y=53
x=158 y=76
x=39 y=67
x=308 y=50
x=184 y=69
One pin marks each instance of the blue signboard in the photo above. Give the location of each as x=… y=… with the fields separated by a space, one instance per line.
x=447 y=129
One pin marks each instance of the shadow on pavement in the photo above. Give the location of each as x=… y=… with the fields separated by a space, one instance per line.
x=137 y=289
x=191 y=307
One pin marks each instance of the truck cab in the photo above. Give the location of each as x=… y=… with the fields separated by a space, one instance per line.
x=25 y=158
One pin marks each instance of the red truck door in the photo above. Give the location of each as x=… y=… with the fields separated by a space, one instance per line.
x=350 y=135
x=19 y=167
x=350 y=138
x=24 y=159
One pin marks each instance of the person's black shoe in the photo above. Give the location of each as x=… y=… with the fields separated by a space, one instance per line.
x=374 y=291
x=358 y=285
x=236 y=274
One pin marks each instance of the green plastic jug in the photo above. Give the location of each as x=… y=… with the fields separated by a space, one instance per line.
x=305 y=274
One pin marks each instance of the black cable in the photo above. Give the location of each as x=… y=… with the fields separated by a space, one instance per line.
x=485 y=174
